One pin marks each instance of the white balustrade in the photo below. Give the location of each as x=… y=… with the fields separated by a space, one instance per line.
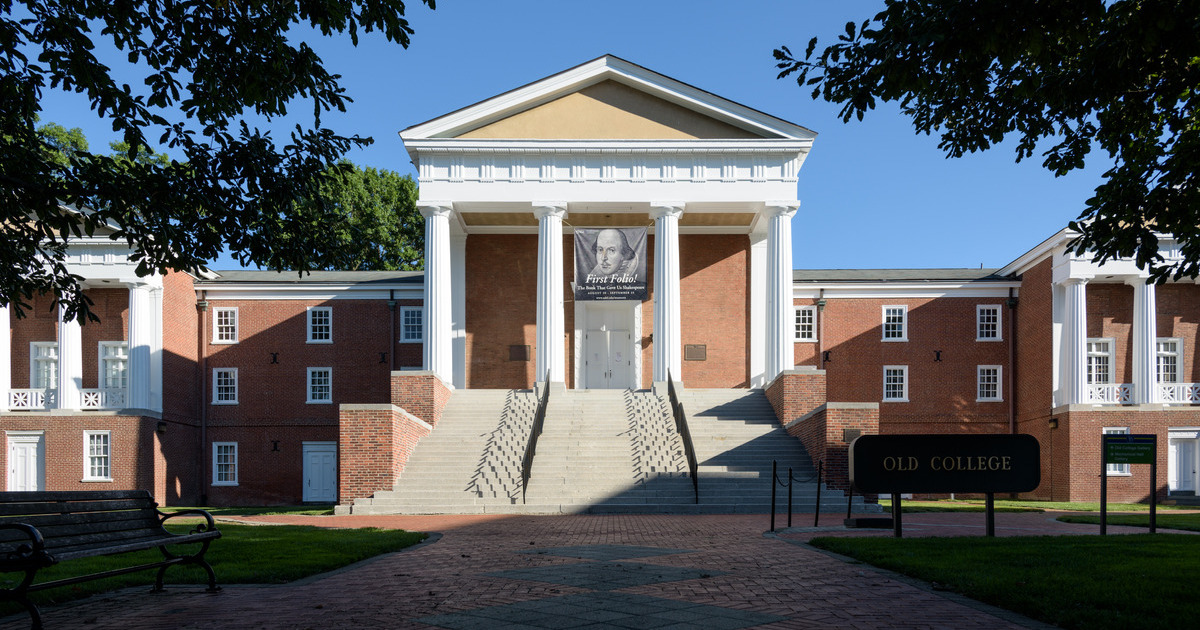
x=31 y=399
x=1185 y=393
x=1115 y=394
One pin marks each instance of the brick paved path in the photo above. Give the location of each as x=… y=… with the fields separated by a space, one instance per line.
x=565 y=571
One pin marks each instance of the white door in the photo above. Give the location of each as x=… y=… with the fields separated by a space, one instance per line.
x=1181 y=473
x=26 y=462
x=608 y=347
x=320 y=472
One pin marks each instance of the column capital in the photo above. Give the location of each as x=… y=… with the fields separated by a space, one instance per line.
x=666 y=209
x=556 y=209
x=435 y=208
x=1138 y=280
x=783 y=208
x=1074 y=280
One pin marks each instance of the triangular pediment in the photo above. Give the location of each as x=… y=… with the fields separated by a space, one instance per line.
x=607 y=99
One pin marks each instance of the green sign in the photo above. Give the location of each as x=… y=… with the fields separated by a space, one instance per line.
x=1129 y=448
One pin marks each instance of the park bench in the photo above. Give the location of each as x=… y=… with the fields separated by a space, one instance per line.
x=41 y=529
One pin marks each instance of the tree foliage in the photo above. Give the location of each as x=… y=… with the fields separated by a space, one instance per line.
x=210 y=73
x=1061 y=77
x=383 y=230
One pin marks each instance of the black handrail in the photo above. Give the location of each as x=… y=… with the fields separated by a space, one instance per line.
x=790 y=478
x=682 y=427
x=535 y=431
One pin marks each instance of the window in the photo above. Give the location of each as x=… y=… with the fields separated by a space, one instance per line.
x=97 y=464
x=988 y=388
x=1168 y=360
x=1117 y=469
x=411 y=324
x=895 y=383
x=114 y=365
x=320 y=385
x=320 y=324
x=225 y=325
x=225 y=464
x=225 y=386
x=43 y=364
x=987 y=323
x=895 y=323
x=806 y=323
x=1099 y=361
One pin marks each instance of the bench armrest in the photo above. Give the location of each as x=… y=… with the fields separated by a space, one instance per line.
x=35 y=546
x=207 y=526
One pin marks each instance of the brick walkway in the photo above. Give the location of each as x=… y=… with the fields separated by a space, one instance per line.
x=632 y=571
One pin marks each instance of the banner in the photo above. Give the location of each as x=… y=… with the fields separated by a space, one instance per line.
x=610 y=264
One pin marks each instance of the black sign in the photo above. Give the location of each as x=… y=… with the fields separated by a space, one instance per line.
x=887 y=464
x=610 y=264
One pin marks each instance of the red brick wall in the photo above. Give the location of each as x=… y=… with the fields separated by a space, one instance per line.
x=270 y=461
x=796 y=393
x=942 y=393
x=374 y=444
x=132 y=443
x=823 y=434
x=182 y=390
x=1179 y=316
x=715 y=310
x=1034 y=367
x=421 y=394
x=501 y=309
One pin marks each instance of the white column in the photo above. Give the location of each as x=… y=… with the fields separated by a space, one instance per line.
x=437 y=345
x=5 y=357
x=458 y=278
x=758 y=309
x=70 y=361
x=551 y=349
x=1075 y=341
x=668 y=349
x=1145 y=331
x=780 y=354
x=140 y=339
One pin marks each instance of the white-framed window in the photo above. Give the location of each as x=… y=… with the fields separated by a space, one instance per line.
x=895 y=323
x=411 y=324
x=225 y=324
x=1117 y=469
x=806 y=323
x=225 y=386
x=97 y=456
x=987 y=322
x=320 y=324
x=43 y=364
x=114 y=364
x=1099 y=361
x=988 y=383
x=895 y=383
x=1168 y=359
x=225 y=464
x=320 y=385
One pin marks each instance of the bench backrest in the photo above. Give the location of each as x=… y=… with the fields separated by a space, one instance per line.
x=74 y=520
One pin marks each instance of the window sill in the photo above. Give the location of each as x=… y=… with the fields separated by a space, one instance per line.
x=804 y=341
x=320 y=341
x=226 y=484
x=1117 y=474
x=318 y=402
x=224 y=343
x=224 y=402
x=887 y=400
x=986 y=400
x=96 y=480
x=410 y=341
x=988 y=339
x=894 y=339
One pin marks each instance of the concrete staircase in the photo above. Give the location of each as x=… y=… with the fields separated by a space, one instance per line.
x=601 y=451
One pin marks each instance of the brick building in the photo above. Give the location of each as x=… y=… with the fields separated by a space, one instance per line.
x=250 y=387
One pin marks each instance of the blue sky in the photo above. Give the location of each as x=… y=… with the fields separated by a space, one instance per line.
x=873 y=193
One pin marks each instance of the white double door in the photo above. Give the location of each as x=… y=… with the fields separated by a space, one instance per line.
x=26 y=461
x=608 y=346
x=1183 y=462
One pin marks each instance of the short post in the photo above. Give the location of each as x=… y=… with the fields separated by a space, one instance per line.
x=897 y=530
x=990 y=502
x=1153 y=488
x=1103 y=490
x=774 y=466
x=789 y=496
x=820 y=481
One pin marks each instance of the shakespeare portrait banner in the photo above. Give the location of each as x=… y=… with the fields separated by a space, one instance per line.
x=610 y=264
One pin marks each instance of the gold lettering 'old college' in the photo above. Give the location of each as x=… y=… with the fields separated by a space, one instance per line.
x=949 y=463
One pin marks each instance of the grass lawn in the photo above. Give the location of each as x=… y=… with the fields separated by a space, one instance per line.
x=245 y=554
x=1138 y=581
x=1188 y=522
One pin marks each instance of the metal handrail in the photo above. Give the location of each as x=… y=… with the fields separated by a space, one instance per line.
x=681 y=426
x=535 y=431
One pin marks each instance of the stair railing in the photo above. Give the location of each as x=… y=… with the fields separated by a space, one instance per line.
x=685 y=435
x=539 y=418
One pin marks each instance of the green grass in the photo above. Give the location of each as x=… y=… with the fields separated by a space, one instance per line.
x=1009 y=505
x=245 y=554
x=1092 y=582
x=1188 y=522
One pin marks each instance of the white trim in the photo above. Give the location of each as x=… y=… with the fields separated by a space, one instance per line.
x=812 y=323
x=308 y=317
x=979 y=308
x=903 y=323
x=216 y=340
x=215 y=449
x=309 y=386
x=318 y=293
x=1116 y=470
x=236 y=392
x=999 y=397
x=87 y=456
x=899 y=291
x=904 y=371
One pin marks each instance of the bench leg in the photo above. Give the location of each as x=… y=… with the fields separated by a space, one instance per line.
x=195 y=559
x=20 y=595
